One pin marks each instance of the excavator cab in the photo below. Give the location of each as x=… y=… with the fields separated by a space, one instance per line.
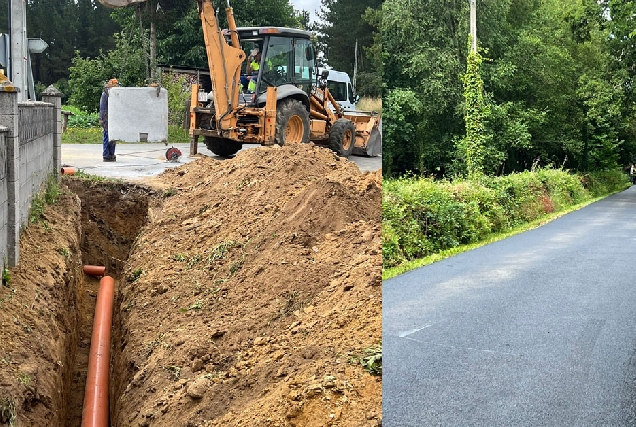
x=287 y=60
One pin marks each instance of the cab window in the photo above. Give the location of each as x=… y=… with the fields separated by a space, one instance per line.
x=287 y=61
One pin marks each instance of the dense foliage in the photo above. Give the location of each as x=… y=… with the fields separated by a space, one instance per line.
x=89 y=43
x=345 y=22
x=422 y=216
x=557 y=86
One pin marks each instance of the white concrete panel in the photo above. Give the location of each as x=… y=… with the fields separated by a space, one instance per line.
x=138 y=114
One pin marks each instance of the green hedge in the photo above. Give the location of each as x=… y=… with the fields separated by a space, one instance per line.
x=81 y=119
x=421 y=216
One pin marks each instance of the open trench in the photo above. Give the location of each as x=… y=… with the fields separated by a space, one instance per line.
x=112 y=215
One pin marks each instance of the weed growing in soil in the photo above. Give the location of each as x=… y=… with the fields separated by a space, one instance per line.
x=81 y=174
x=7 y=412
x=220 y=250
x=198 y=305
x=37 y=209
x=49 y=196
x=176 y=371
x=237 y=266
x=135 y=275
x=194 y=260
x=52 y=193
x=169 y=192
x=6 y=276
x=372 y=360
x=157 y=342
x=25 y=379
x=64 y=251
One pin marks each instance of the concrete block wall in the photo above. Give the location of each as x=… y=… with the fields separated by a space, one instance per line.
x=37 y=131
x=30 y=153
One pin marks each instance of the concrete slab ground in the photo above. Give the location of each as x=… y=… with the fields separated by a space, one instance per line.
x=139 y=160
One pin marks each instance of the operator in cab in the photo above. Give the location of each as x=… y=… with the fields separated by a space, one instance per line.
x=253 y=65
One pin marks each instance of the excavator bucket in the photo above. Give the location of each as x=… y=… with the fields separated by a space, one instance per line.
x=368 y=133
x=119 y=3
x=374 y=144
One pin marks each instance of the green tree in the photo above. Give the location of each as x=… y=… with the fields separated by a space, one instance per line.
x=127 y=63
x=343 y=25
x=423 y=53
x=54 y=22
x=401 y=110
x=620 y=44
x=369 y=80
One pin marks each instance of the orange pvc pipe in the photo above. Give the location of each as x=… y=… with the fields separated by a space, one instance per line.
x=95 y=270
x=96 y=409
x=68 y=171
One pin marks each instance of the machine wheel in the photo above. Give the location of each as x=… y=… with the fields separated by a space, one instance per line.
x=342 y=137
x=292 y=122
x=222 y=147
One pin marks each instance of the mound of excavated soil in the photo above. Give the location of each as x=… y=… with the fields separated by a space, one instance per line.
x=252 y=292
x=251 y=295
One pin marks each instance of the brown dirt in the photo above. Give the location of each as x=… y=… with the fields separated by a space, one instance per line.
x=247 y=299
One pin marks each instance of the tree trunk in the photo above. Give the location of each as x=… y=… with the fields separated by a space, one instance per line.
x=153 y=42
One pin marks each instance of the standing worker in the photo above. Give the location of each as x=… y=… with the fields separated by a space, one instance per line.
x=108 y=152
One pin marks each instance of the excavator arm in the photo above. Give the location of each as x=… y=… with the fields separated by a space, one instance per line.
x=224 y=61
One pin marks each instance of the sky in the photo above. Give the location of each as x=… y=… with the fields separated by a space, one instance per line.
x=309 y=5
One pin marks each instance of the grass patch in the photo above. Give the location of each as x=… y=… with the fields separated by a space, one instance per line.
x=73 y=135
x=369 y=104
x=94 y=135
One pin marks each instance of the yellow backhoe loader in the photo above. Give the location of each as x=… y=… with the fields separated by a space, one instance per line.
x=264 y=89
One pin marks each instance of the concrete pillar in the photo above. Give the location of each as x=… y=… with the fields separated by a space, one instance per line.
x=19 y=48
x=9 y=119
x=54 y=96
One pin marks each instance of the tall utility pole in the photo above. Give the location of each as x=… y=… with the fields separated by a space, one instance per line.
x=18 y=50
x=473 y=25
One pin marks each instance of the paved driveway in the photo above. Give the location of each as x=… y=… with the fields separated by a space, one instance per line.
x=149 y=159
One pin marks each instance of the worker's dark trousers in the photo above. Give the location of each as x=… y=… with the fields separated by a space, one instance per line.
x=108 y=147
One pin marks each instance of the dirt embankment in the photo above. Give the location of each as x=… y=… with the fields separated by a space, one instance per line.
x=249 y=297
x=38 y=317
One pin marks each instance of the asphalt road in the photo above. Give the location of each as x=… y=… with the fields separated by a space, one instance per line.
x=535 y=330
x=139 y=160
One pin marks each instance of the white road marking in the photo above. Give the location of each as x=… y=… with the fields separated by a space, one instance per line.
x=412 y=331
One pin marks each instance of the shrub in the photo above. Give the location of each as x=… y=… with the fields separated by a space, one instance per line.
x=80 y=118
x=421 y=216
